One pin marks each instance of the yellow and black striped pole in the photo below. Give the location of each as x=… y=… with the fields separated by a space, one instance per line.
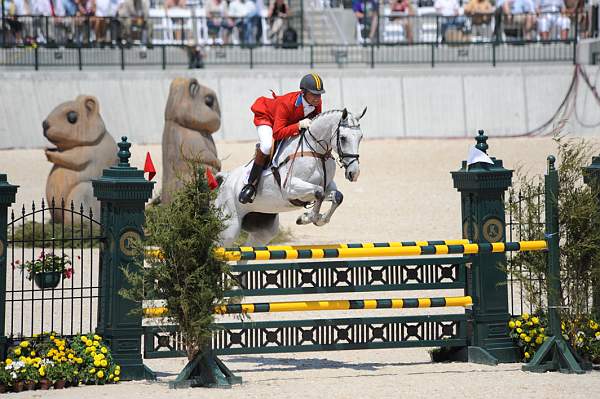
x=389 y=244
x=313 y=253
x=155 y=252
x=352 y=304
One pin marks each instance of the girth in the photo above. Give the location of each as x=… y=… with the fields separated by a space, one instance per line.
x=291 y=157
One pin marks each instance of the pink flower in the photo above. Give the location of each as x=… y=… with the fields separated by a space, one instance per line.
x=68 y=272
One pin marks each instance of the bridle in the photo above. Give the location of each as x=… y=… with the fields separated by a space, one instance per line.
x=324 y=144
x=344 y=159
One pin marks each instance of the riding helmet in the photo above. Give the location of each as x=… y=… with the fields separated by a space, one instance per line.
x=313 y=83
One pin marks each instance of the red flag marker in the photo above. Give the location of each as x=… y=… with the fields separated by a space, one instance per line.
x=149 y=167
x=212 y=182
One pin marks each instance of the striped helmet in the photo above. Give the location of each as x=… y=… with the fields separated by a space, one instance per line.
x=313 y=83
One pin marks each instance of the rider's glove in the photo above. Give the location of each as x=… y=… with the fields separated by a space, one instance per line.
x=304 y=123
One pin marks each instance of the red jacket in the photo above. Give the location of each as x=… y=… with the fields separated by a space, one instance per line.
x=282 y=113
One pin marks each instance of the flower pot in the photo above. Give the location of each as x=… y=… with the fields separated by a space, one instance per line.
x=47 y=279
x=45 y=384
x=2 y=388
x=73 y=383
x=18 y=387
x=60 y=384
x=29 y=385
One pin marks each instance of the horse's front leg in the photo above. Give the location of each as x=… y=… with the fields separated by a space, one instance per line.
x=336 y=198
x=307 y=192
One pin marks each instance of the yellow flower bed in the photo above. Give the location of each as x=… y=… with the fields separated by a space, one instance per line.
x=49 y=357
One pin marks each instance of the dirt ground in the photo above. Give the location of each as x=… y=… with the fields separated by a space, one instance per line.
x=405 y=192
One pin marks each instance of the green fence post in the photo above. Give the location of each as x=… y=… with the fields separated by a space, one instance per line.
x=591 y=177
x=7 y=198
x=122 y=192
x=555 y=354
x=482 y=186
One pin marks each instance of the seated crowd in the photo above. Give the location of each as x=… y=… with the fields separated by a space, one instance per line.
x=250 y=22
x=138 y=21
x=474 y=20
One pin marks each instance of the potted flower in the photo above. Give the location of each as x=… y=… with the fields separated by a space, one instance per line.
x=30 y=376
x=5 y=376
x=16 y=370
x=60 y=372
x=48 y=269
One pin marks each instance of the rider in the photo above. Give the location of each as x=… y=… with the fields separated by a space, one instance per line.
x=278 y=118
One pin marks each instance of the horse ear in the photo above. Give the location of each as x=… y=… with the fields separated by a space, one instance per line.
x=344 y=114
x=363 y=113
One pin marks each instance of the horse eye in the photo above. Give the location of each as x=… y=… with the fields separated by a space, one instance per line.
x=72 y=117
x=209 y=101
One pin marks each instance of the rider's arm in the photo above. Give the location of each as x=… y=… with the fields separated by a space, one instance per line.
x=281 y=130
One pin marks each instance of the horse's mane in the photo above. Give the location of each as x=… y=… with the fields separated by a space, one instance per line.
x=331 y=111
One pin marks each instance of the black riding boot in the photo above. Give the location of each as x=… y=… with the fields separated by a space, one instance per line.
x=249 y=191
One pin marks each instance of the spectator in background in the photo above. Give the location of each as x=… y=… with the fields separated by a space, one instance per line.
x=367 y=14
x=54 y=10
x=103 y=13
x=216 y=11
x=134 y=16
x=175 y=4
x=448 y=9
x=550 y=16
x=278 y=13
x=520 y=13
x=12 y=10
x=250 y=21
x=405 y=8
x=576 y=12
x=235 y=19
x=480 y=12
x=85 y=10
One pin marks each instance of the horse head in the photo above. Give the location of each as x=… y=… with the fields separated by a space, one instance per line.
x=348 y=138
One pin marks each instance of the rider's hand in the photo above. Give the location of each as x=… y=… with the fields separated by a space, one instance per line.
x=304 y=123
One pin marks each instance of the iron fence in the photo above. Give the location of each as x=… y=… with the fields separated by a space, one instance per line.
x=371 y=56
x=39 y=300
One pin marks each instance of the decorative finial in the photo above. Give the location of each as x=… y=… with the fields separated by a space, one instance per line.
x=124 y=153
x=551 y=159
x=481 y=139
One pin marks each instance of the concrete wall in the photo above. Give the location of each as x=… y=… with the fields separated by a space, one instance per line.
x=440 y=102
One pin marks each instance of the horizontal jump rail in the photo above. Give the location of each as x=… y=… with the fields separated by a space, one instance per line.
x=310 y=306
x=390 y=244
x=467 y=249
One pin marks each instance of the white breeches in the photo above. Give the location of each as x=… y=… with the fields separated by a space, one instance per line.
x=265 y=138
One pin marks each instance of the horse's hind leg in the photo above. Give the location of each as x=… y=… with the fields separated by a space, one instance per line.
x=264 y=235
x=336 y=198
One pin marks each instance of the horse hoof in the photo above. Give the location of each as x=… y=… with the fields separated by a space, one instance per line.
x=302 y=219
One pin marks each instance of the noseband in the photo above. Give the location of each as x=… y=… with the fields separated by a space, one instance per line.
x=342 y=155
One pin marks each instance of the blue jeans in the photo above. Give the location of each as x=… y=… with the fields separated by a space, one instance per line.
x=452 y=22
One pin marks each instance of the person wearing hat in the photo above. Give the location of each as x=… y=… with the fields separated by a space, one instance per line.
x=278 y=118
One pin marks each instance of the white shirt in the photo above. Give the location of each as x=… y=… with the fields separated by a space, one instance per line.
x=447 y=8
x=307 y=107
x=236 y=9
x=42 y=7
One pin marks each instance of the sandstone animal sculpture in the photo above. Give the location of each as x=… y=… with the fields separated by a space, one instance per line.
x=192 y=115
x=82 y=148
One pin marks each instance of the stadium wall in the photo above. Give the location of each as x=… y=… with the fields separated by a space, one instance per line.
x=442 y=102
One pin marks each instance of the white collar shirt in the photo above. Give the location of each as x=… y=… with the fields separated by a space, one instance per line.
x=307 y=107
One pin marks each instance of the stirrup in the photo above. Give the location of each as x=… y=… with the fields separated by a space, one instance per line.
x=247 y=194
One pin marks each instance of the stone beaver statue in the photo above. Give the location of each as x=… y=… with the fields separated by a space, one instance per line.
x=192 y=115
x=83 y=149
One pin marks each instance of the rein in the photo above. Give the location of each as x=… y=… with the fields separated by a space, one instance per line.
x=299 y=152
